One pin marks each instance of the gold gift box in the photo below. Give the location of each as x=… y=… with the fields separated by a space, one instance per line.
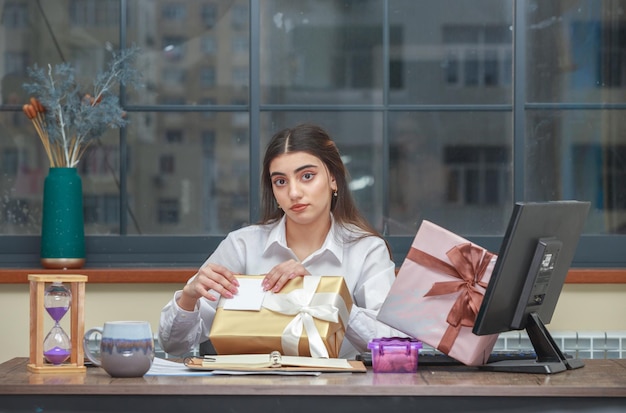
x=257 y=332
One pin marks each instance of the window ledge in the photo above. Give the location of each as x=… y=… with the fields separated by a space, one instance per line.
x=106 y=275
x=181 y=275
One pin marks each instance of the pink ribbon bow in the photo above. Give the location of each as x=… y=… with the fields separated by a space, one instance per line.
x=469 y=263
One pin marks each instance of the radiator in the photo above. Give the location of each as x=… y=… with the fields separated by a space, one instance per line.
x=578 y=344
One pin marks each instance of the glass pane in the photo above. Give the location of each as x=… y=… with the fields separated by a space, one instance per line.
x=579 y=155
x=23 y=167
x=188 y=173
x=454 y=169
x=450 y=52
x=195 y=52
x=50 y=33
x=315 y=52
x=99 y=170
x=359 y=139
x=576 y=51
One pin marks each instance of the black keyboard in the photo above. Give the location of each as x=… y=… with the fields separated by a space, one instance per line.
x=440 y=359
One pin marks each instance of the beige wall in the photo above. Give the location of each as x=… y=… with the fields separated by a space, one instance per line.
x=582 y=307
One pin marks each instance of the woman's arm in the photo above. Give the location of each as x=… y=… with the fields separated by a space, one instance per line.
x=375 y=280
x=186 y=320
x=180 y=330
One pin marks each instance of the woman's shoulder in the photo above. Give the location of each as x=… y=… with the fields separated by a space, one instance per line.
x=252 y=230
x=354 y=233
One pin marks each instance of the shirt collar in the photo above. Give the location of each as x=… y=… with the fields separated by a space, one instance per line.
x=277 y=236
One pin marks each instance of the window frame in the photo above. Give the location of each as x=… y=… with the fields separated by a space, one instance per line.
x=594 y=251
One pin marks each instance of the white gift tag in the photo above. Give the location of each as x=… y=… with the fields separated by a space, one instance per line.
x=249 y=297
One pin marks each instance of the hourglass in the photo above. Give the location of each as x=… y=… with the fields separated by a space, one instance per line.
x=51 y=297
x=56 y=300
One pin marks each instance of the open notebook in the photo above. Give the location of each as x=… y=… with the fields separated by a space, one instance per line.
x=273 y=362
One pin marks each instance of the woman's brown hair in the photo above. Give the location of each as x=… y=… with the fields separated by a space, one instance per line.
x=315 y=141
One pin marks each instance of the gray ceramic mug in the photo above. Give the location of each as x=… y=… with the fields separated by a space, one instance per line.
x=126 y=348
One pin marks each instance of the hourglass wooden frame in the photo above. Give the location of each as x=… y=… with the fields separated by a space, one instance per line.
x=38 y=315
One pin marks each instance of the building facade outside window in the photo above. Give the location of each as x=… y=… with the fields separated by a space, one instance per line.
x=443 y=110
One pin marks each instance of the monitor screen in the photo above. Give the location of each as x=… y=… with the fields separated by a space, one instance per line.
x=536 y=253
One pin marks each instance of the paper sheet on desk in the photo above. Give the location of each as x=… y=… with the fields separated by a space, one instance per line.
x=162 y=367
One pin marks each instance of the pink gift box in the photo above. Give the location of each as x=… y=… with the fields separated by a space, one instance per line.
x=437 y=294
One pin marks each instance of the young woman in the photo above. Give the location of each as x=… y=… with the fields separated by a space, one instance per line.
x=310 y=225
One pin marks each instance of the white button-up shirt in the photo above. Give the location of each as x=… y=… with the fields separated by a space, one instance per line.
x=363 y=262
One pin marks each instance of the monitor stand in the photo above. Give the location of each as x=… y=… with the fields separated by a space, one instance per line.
x=549 y=359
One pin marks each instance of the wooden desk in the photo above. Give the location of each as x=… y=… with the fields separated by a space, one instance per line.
x=600 y=385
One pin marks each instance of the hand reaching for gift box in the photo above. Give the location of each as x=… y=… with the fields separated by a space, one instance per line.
x=278 y=276
x=210 y=278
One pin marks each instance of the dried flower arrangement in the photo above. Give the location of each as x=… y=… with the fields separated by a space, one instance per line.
x=68 y=120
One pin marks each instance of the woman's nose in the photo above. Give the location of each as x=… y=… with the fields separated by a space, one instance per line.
x=294 y=190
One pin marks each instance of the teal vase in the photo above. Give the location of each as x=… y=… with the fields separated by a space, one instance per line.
x=62 y=224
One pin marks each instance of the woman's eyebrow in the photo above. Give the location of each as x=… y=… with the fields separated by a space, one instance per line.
x=296 y=171
x=305 y=167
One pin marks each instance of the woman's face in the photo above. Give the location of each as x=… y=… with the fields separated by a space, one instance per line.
x=302 y=187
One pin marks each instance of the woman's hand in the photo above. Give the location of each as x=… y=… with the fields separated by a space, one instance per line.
x=209 y=277
x=280 y=274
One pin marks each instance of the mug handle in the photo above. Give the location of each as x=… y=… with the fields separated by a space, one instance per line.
x=97 y=361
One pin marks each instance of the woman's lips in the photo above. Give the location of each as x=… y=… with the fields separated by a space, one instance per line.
x=298 y=207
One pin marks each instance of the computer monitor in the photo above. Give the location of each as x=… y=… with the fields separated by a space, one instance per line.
x=536 y=253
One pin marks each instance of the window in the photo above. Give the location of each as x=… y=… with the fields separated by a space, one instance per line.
x=168 y=211
x=591 y=37
x=239 y=16
x=166 y=164
x=420 y=96
x=240 y=44
x=207 y=76
x=477 y=55
x=240 y=76
x=208 y=142
x=615 y=171
x=477 y=175
x=174 y=11
x=15 y=62
x=10 y=161
x=101 y=210
x=174 y=136
x=209 y=14
x=209 y=45
x=100 y=160
x=88 y=13
x=14 y=15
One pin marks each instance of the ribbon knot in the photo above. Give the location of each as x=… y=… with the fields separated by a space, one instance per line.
x=468 y=266
x=298 y=303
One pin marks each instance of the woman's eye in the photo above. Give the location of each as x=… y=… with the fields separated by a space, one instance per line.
x=279 y=182
x=307 y=176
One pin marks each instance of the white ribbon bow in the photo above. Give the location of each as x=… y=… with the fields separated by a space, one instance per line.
x=299 y=303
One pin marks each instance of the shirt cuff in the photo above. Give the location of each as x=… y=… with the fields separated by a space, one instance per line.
x=182 y=316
